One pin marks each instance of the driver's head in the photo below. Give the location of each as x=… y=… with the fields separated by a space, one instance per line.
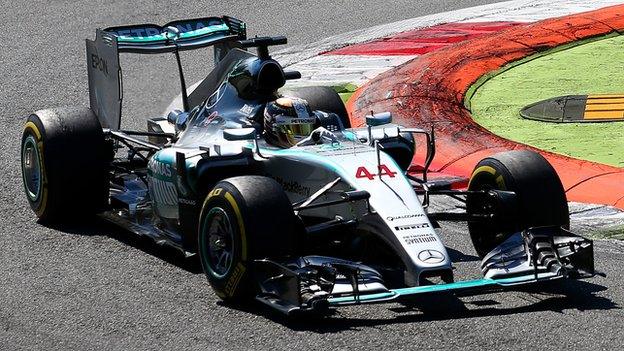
x=287 y=121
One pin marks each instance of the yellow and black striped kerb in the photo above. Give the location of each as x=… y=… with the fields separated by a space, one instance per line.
x=604 y=108
x=577 y=109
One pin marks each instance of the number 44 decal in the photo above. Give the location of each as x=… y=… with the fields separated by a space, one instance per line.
x=362 y=172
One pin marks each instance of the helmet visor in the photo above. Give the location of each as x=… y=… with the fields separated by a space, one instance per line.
x=291 y=130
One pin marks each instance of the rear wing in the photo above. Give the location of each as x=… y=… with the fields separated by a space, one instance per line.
x=105 y=77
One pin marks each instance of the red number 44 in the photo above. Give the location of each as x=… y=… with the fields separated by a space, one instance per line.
x=362 y=172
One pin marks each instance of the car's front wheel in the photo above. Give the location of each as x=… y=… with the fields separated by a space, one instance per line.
x=540 y=199
x=242 y=219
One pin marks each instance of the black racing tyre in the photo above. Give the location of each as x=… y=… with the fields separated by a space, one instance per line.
x=401 y=148
x=242 y=219
x=323 y=99
x=65 y=163
x=540 y=197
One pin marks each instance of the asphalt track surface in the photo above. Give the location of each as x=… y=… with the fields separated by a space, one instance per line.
x=92 y=286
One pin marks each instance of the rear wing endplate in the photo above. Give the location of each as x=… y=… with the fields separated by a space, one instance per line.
x=105 y=78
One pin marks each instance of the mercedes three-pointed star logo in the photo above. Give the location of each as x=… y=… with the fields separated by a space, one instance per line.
x=431 y=256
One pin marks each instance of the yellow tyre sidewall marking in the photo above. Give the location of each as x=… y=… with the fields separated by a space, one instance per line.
x=214 y=192
x=239 y=218
x=33 y=127
x=239 y=270
x=488 y=169
x=241 y=224
x=44 y=179
x=235 y=278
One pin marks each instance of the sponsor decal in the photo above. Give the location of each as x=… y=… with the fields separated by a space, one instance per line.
x=160 y=168
x=163 y=192
x=139 y=33
x=431 y=256
x=161 y=187
x=293 y=187
x=99 y=63
x=187 y=202
x=189 y=27
x=408 y=216
x=342 y=150
x=420 y=239
x=363 y=172
x=289 y=120
x=147 y=32
x=211 y=118
x=411 y=226
x=232 y=283
x=246 y=110
x=215 y=192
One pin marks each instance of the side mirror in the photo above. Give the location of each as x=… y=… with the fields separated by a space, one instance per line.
x=178 y=118
x=239 y=134
x=378 y=119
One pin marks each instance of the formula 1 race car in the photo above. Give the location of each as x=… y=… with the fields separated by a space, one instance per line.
x=335 y=219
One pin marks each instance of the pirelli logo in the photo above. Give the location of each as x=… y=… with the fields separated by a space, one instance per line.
x=232 y=283
x=163 y=192
x=411 y=226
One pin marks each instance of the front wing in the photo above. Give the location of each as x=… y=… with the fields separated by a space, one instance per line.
x=315 y=283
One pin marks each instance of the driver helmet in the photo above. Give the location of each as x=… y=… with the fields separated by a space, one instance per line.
x=287 y=121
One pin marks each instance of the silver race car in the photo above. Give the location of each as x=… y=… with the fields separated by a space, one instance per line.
x=281 y=199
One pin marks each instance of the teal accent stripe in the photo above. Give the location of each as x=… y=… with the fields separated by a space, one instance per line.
x=347 y=300
x=127 y=39
x=445 y=287
x=468 y=284
x=183 y=35
x=304 y=155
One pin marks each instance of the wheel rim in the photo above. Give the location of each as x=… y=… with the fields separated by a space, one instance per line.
x=220 y=235
x=31 y=168
x=491 y=235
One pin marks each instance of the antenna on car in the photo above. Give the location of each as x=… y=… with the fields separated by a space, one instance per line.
x=172 y=33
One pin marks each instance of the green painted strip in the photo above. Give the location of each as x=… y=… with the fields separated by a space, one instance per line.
x=345 y=88
x=485 y=78
x=616 y=232
x=591 y=68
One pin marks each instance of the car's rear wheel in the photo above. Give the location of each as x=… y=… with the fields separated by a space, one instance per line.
x=540 y=198
x=242 y=219
x=323 y=99
x=65 y=163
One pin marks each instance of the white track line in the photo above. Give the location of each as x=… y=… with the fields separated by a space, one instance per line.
x=517 y=11
x=335 y=69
